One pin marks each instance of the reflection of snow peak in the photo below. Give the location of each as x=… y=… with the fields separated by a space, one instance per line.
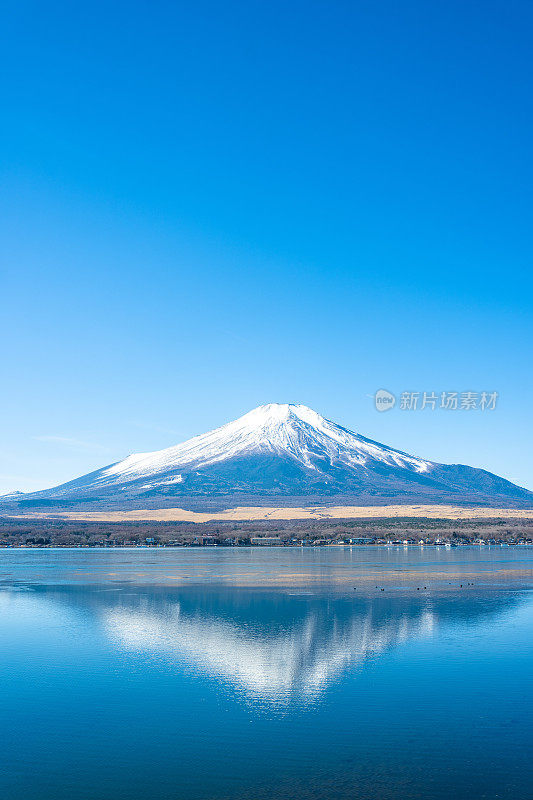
x=302 y=662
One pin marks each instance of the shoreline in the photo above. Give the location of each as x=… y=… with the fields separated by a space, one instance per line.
x=280 y=546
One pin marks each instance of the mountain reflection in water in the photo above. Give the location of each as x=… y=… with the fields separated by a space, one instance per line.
x=268 y=644
x=216 y=692
x=316 y=644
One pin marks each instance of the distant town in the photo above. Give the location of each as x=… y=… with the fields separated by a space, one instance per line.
x=316 y=533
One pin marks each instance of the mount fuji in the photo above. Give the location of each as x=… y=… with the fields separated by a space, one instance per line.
x=284 y=452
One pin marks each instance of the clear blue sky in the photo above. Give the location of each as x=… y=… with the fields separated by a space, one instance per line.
x=210 y=206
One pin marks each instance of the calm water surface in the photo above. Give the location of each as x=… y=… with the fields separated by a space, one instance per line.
x=250 y=673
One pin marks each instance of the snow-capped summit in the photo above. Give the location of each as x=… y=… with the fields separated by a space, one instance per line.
x=280 y=428
x=280 y=450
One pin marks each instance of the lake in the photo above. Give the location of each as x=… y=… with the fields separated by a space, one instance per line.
x=211 y=673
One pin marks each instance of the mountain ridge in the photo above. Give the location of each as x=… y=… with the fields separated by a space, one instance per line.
x=279 y=450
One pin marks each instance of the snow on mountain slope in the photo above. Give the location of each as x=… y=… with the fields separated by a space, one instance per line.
x=278 y=450
x=276 y=428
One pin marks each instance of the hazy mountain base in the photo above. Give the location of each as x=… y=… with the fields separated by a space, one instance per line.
x=219 y=502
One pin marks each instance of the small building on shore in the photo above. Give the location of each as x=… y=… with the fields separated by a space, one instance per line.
x=266 y=540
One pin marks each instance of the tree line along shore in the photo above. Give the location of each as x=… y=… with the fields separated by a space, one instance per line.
x=64 y=533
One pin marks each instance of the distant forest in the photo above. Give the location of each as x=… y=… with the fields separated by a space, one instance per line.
x=52 y=533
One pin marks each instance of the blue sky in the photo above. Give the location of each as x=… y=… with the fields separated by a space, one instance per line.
x=210 y=206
